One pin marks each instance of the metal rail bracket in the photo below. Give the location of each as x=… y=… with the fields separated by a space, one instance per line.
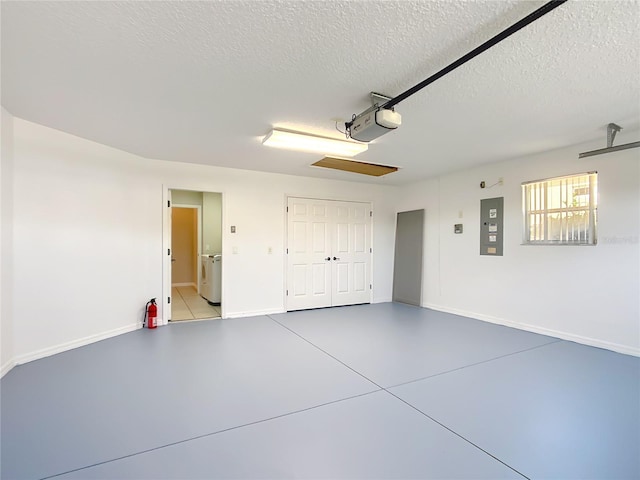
x=612 y=129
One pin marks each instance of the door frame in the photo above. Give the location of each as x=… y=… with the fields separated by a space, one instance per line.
x=286 y=240
x=166 y=243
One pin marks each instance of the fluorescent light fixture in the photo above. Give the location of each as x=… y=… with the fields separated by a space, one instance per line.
x=311 y=143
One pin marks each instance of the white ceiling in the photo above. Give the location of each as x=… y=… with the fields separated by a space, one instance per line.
x=203 y=82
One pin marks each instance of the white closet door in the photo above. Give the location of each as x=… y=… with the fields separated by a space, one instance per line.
x=351 y=257
x=329 y=259
x=309 y=245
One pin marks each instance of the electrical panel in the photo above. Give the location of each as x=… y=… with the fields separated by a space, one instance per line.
x=491 y=226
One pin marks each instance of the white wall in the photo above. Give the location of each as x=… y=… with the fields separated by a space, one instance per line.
x=6 y=244
x=185 y=197
x=84 y=221
x=254 y=202
x=88 y=226
x=586 y=294
x=211 y=223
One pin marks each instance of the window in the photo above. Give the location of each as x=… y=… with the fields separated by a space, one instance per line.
x=561 y=211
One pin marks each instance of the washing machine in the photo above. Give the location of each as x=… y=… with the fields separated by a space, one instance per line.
x=211 y=278
x=216 y=279
x=205 y=275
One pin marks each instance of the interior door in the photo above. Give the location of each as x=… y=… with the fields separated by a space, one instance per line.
x=309 y=254
x=329 y=257
x=407 y=270
x=351 y=255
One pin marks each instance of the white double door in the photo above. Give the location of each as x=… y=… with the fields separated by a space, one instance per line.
x=328 y=253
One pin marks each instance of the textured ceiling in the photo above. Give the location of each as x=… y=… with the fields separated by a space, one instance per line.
x=202 y=82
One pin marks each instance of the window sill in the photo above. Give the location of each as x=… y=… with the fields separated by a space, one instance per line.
x=550 y=244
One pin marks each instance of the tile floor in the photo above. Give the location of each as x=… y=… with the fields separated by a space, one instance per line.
x=369 y=391
x=186 y=304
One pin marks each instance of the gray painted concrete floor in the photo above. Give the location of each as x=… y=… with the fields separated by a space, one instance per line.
x=371 y=391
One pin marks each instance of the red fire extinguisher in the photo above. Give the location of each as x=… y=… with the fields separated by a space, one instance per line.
x=151 y=312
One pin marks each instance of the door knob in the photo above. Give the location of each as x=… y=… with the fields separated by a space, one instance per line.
x=336 y=258
x=328 y=258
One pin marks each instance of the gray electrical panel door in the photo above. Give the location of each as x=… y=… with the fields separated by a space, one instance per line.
x=407 y=266
x=491 y=226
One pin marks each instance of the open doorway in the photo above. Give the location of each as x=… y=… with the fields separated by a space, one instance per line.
x=195 y=249
x=407 y=266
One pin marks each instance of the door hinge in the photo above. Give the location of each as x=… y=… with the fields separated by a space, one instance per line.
x=287 y=209
x=370 y=250
x=370 y=287
x=371 y=213
x=287 y=251
x=287 y=293
x=168 y=203
x=168 y=299
x=168 y=251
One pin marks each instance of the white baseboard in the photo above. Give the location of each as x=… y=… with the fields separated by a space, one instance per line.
x=254 y=313
x=7 y=367
x=593 y=342
x=81 y=342
x=187 y=284
x=382 y=300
